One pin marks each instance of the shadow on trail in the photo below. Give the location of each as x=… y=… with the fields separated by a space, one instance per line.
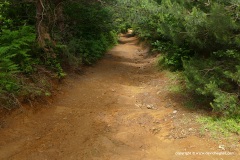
x=114 y=56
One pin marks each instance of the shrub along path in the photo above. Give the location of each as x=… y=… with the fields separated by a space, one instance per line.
x=119 y=109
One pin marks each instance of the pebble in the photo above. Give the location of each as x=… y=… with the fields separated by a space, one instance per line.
x=155 y=130
x=150 y=107
x=138 y=105
x=190 y=129
x=159 y=92
x=175 y=111
x=221 y=147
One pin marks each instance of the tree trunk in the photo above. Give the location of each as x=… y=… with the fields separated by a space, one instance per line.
x=41 y=27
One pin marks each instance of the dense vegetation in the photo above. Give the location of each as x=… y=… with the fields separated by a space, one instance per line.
x=39 y=37
x=199 y=37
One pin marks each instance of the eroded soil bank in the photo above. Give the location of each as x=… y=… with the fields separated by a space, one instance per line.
x=119 y=109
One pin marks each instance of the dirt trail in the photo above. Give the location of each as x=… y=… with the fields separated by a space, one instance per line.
x=116 y=110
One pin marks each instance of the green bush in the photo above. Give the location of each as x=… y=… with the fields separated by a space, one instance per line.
x=14 y=59
x=173 y=55
x=16 y=13
x=8 y=69
x=14 y=56
x=78 y=32
x=18 y=44
x=89 y=35
x=217 y=78
x=199 y=37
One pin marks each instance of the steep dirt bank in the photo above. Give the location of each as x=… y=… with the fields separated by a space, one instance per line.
x=117 y=110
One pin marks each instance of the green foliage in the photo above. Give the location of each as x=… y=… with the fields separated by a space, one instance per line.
x=199 y=37
x=14 y=59
x=14 y=56
x=82 y=34
x=220 y=126
x=16 y=13
x=7 y=71
x=216 y=77
x=17 y=44
x=18 y=57
x=89 y=35
x=172 y=54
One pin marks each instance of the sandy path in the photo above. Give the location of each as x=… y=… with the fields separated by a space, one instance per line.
x=117 y=110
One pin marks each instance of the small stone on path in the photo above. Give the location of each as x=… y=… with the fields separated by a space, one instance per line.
x=175 y=111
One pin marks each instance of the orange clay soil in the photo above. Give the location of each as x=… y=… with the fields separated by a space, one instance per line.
x=119 y=109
